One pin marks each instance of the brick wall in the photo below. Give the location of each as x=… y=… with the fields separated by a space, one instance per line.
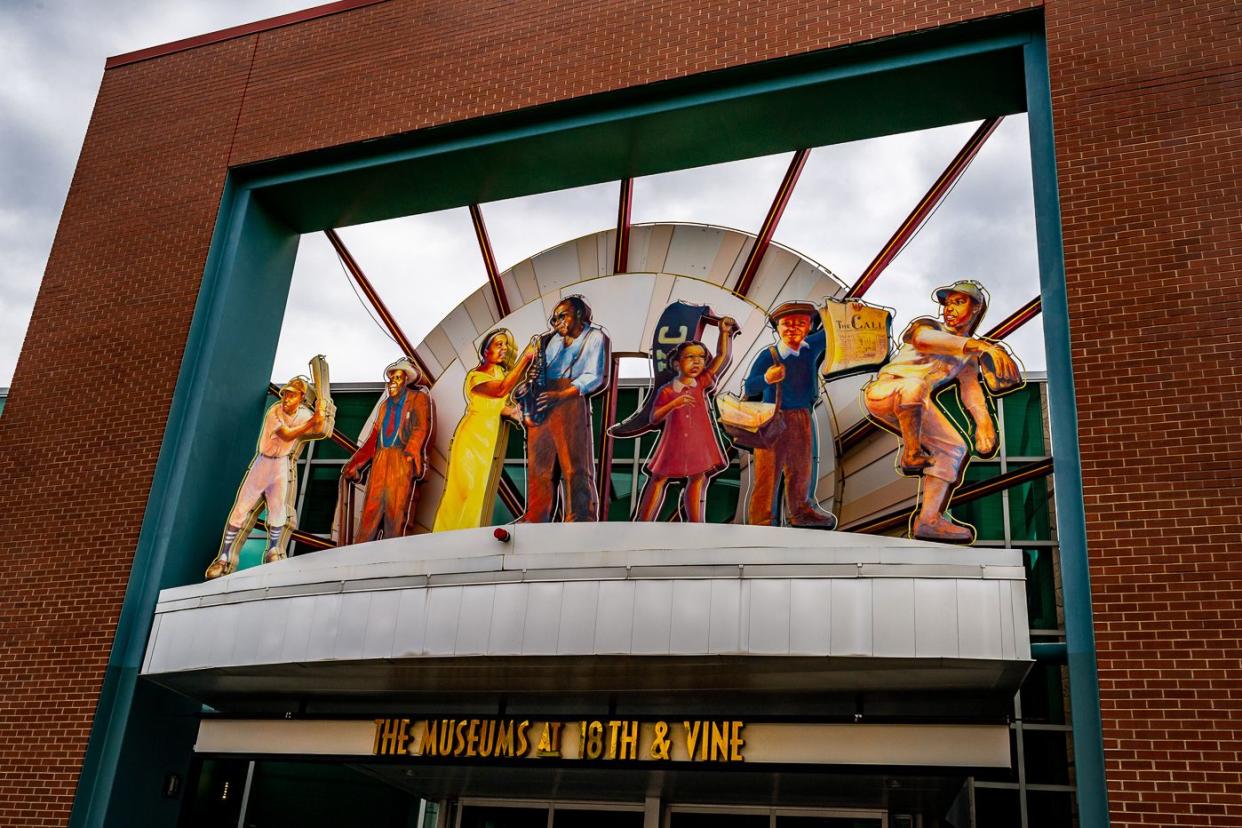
x=1148 y=102
x=1146 y=108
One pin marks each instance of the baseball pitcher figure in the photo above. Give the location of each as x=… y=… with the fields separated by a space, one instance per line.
x=934 y=354
x=304 y=413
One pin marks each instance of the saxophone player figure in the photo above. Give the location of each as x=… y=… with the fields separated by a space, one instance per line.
x=304 y=413
x=570 y=365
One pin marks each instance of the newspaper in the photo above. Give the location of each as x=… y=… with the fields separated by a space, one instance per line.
x=857 y=334
x=744 y=413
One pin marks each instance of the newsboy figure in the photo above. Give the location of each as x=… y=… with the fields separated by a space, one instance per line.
x=902 y=399
x=787 y=374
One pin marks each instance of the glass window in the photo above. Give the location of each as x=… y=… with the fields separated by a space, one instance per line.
x=1049 y=808
x=825 y=822
x=1041 y=588
x=319 y=505
x=1024 y=422
x=1043 y=694
x=583 y=818
x=480 y=816
x=1029 y=517
x=1047 y=756
x=986 y=514
x=997 y=807
x=352 y=410
x=681 y=819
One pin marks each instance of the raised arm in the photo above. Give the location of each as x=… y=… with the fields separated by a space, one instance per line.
x=724 y=346
x=504 y=386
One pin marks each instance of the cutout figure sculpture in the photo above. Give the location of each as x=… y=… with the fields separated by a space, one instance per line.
x=303 y=413
x=476 y=453
x=935 y=354
x=570 y=364
x=688 y=446
x=786 y=375
x=395 y=446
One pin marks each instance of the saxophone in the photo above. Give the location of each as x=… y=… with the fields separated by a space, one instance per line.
x=526 y=395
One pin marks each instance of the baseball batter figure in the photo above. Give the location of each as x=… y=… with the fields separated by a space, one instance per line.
x=271 y=478
x=902 y=398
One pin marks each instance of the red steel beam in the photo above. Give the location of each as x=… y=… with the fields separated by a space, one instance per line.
x=1016 y=319
x=489 y=261
x=609 y=412
x=924 y=208
x=764 y=239
x=621 y=261
x=897 y=517
x=863 y=429
x=313 y=541
x=368 y=290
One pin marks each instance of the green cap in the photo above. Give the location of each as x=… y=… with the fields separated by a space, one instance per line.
x=968 y=287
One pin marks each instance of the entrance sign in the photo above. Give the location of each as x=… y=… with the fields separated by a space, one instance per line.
x=590 y=739
x=604 y=742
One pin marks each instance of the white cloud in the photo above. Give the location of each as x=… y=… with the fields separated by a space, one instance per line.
x=849 y=200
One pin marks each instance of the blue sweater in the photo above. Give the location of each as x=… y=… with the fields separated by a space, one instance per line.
x=800 y=388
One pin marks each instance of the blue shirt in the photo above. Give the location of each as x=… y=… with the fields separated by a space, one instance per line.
x=800 y=387
x=582 y=362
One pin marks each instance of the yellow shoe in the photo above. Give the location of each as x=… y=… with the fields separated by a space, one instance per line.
x=220 y=566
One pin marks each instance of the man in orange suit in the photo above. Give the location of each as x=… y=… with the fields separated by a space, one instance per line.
x=396 y=447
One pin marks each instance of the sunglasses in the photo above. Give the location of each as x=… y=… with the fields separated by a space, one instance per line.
x=557 y=317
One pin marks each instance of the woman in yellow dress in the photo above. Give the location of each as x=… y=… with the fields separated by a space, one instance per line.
x=475 y=454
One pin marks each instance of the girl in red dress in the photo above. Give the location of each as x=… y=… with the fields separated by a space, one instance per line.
x=687 y=447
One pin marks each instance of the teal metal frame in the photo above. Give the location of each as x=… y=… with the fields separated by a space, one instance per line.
x=1092 y=791
x=991 y=67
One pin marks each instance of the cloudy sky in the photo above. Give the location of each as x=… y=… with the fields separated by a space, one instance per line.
x=849 y=200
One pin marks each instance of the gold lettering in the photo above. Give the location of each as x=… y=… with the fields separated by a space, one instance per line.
x=403 y=738
x=445 y=742
x=523 y=744
x=390 y=737
x=693 y=729
x=459 y=738
x=736 y=742
x=472 y=738
x=595 y=740
x=504 y=738
x=720 y=742
x=379 y=729
x=661 y=742
x=613 y=724
x=629 y=741
x=427 y=747
x=487 y=738
x=549 y=740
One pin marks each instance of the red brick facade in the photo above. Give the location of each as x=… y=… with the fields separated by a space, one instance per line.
x=1147 y=101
